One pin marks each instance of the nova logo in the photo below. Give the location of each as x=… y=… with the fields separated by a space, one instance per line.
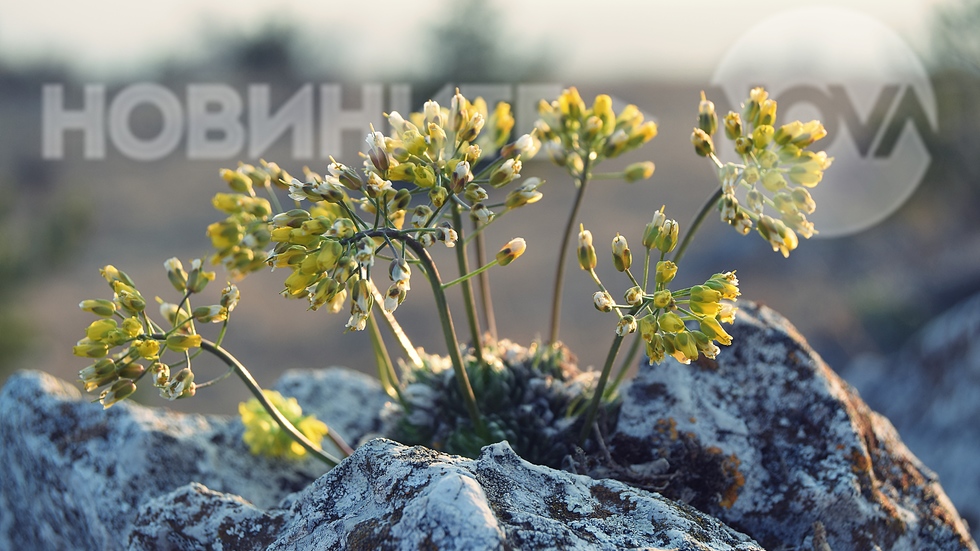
x=867 y=87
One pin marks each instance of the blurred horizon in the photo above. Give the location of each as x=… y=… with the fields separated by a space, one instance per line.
x=60 y=220
x=116 y=40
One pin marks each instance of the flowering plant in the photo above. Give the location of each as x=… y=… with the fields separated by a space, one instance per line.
x=349 y=228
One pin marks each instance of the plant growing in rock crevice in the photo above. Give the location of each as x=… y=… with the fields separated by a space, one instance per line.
x=354 y=238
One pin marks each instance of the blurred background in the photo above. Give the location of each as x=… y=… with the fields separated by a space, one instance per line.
x=853 y=295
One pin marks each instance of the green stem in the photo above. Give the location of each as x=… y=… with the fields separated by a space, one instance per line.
x=624 y=367
x=397 y=331
x=386 y=370
x=283 y=423
x=485 y=300
x=470 y=275
x=469 y=302
x=696 y=223
x=448 y=329
x=597 y=396
x=562 y=253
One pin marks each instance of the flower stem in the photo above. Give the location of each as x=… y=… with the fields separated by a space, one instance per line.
x=696 y=223
x=448 y=329
x=485 y=300
x=397 y=331
x=600 y=387
x=468 y=276
x=562 y=253
x=469 y=301
x=624 y=367
x=283 y=423
x=386 y=371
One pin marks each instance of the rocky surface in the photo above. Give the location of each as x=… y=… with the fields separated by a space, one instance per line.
x=930 y=390
x=389 y=496
x=773 y=442
x=73 y=476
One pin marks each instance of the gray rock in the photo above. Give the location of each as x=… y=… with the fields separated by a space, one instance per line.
x=930 y=390
x=73 y=475
x=771 y=441
x=389 y=496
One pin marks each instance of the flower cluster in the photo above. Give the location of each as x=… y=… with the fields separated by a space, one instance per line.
x=661 y=316
x=264 y=436
x=241 y=239
x=444 y=155
x=123 y=324
x=775 y=172
x=577 y=137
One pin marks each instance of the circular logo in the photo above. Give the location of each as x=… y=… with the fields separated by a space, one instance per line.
x=868 y=88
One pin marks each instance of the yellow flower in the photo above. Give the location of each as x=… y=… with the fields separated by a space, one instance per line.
x=264 y=436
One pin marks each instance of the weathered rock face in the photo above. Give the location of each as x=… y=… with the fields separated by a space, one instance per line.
x=73 y=476
x=389 y=496
x=76 y=477
x=930 y=390
x=772 y=441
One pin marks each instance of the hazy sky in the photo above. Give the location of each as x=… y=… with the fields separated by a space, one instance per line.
x=681 y=38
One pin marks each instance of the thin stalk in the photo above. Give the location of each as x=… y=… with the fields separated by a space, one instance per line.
x=624 y=367
x=468 y=299
x=562 y=252
x=485 y=300
x=448 y=329
x=397 y=331
x=470 y=275
x=272 y=197
x=600 y=387
x=386 y=370
x=283 y=423
x=696 y=223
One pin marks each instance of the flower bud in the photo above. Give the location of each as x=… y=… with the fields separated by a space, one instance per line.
x=161 y=374
x=119 y=391
x=702 y=142
x=182 y=343
x=149 y=349
x=648 y=327
x=176 y=273
x=671 y=322
x=197 y=278
x=131 y=371
x=627 y=324
x=99 y=307
x=638 y=171
x=664 y=299
x=400 y=272
x=667 y=238
x=603 y=301
x=230 y=296
x=586 y=252
x=622 y=257
x=652 y=229
x=474 y=193
x=733 y=125
x=237 y=181
x=762 y=136
x=666 y=270
x=210 y=314
x=714 y=331
x=511 y=251
x=438 y=196
x=181 y=386
x=707 y=119
x=634 y=295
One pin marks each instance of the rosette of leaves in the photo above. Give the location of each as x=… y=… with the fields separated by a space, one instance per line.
x=531 y=397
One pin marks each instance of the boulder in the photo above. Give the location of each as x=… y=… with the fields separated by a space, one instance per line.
x=73 y=476
x=131 y=477
x=770 y=440
x=930 y=390
x=389 y=496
